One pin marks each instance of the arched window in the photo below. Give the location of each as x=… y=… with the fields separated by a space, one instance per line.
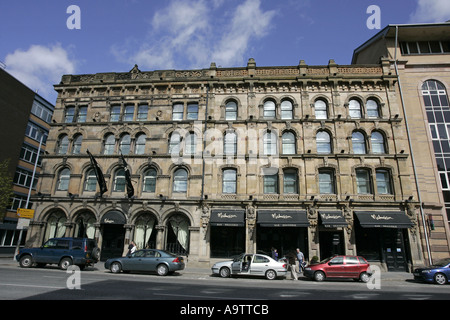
x=76 y=148
x=180 y=179
x=438 y=113
x=110 y=144
x=125 y=144
x=358 y=143
x=119 y=181
x=269 y=110
x=354 y=109
x=174 y=143
x=326 y=181
x=229 y=181
x=90 y=182
x=230 y=144
x=63 y=180
x=143 y=232
x=149 y=184
x=286 y=110
x=63 y=144
x=231 y=110
x=377 y=141
x=56 y=226
x=320 y=109
x=373 y=109
x=323 y=142
x=290 y=181
x=270 y=143
x=363 y=184
x=140 y=144
x=288 y=143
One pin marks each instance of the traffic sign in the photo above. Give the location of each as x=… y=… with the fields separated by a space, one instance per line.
x=25 y=213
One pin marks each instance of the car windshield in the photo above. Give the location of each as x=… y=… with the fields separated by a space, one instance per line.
x=442 y=263
x=326 y=260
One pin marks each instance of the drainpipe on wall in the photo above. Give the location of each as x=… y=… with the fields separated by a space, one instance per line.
x=422 y=214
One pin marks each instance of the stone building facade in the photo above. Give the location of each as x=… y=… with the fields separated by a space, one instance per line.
x=419 y=55
x=227 y=160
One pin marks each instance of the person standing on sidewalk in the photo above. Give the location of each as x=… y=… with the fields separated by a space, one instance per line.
x=291 y=260
x=301 y=259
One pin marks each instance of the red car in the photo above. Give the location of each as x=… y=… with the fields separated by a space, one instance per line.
x=339 y=267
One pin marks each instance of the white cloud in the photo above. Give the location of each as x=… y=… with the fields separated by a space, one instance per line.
x=249 y=22
x=429 y=11
x=192 y=34
x=40 y=67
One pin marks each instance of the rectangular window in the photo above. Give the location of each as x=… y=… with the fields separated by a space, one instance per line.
x=177 y=114
x=142 y=112
x=192 y=111
x=129 y=113
x=82 y=114
x=115 y=114
x=271 y=184
x=326 y=182
x=69 y=115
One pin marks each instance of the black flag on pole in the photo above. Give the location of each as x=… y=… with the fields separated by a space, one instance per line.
x=99 y=174
x=130 y=189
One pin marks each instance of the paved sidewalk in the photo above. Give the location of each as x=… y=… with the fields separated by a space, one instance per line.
x=206 y=272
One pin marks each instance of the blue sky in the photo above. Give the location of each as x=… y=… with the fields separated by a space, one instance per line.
x=37 y=47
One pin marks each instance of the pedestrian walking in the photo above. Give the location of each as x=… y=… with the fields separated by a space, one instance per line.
x=301 y=260
x=274 y=254
x=131 y=248
x=291 y=260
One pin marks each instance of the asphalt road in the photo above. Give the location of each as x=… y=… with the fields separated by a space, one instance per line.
x=96 y=283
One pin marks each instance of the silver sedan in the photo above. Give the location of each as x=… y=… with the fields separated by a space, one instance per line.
x=159 y=261
x=251 y=265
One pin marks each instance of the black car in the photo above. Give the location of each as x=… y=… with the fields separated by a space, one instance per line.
x=61 y=251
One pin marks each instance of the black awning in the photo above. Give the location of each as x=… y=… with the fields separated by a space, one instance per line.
x=332 y=219
x=113 y=217
x=227 y=218
x=282 y=218
x=383 y=219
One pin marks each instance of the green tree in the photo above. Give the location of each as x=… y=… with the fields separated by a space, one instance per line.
x=6 y=188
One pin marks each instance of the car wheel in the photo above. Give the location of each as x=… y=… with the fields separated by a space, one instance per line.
x=271 y=274
x=364 y=277
x=65 y=263
x=115 y=267
x=440 y=278
x=225 y=272
x=26 y=261
x=162 y=270
x=319 y=276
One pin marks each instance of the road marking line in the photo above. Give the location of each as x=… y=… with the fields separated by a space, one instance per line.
x=30 y=286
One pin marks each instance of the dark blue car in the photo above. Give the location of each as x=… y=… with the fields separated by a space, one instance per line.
x=438 y=273
x=61 y=251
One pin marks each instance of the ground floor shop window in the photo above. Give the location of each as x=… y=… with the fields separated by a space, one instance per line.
x=331 y=243
x=284 y=239
x=227 y=241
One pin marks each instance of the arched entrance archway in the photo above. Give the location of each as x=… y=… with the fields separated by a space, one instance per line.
x=113 y=234
x=144 y=231
x=177 y=236
x=56 y=225
x=85 y=225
